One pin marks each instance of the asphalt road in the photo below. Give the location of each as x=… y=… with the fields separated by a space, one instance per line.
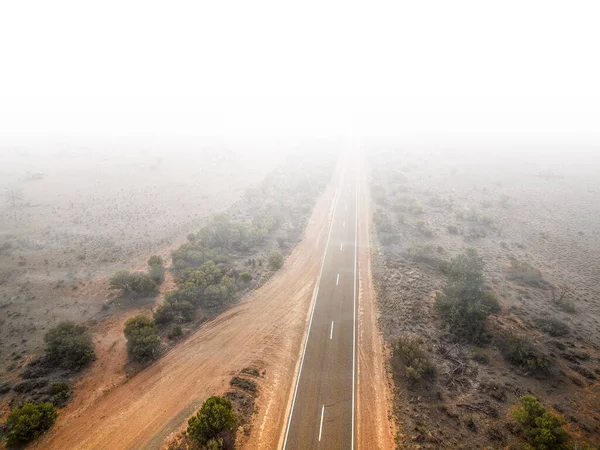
x=322 y=411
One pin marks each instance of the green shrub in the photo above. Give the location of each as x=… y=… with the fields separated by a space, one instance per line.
x=69 y=345
x=216 y=416
x=155 y=260
x=59 y=394
x=414 y=358
x=136 y=282
x=204 y=285
x=143 y=343
x=175 y=332
x=29 y=422
x=275 y=259
x=463 y=303
x=244 y=384
x=520 y=352
x=215 y=444
x=542 y=429
x=178 y=311
x=246 y=277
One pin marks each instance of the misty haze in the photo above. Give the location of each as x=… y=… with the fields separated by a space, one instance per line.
x=299 y=226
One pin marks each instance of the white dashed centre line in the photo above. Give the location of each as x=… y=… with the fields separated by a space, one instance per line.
x=337 y=281
x=341 y=246
x=331 y=332
x=321 y=426
x=344 y=224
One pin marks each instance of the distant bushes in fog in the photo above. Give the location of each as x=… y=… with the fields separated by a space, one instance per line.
x=134 y=282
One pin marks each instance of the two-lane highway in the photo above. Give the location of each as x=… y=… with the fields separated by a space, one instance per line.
x=322 y=410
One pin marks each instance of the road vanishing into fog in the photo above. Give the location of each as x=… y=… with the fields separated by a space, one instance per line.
x=322 y=410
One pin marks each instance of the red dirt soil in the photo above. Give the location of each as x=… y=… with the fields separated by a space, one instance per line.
x=376 y=428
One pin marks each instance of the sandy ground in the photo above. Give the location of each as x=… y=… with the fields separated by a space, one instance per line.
x=265 y=330
x=376 y=427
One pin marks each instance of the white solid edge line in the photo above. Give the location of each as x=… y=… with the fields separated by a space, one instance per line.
x=331 y=332
x=287 y=431
x=354 y=323
x=337 y=280
x=321 y=426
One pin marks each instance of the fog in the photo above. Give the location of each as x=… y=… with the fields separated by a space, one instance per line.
x=174 y=173
x=265 y=69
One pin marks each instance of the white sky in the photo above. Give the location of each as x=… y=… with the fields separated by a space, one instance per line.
x=276 y=68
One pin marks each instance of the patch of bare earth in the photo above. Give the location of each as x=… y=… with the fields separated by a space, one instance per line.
x=376 y=427
x=265 y=330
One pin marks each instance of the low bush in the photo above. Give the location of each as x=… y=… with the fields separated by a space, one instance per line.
x=59 y=394
x=541 y=428
x=135 y=282
x=554 y=327
x=520 y=352
x=175 y=332
x=143 y=342
x=29 y=422
x=251 y=371
x=275 y=259
x=245 y=277
x=452 y=229
x=463 y=303
x=414 y=358
x=178 y=311
x=29 y=385
x=156 y=269
x=215 y=418
x=525 y=273
x=244 y=384
x=69 y=345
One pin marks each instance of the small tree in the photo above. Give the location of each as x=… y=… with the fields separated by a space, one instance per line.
x=215 y=417
x=29 y=422
x=69 y=345
x=542 y=428
x=275 y=259
x=143 y=342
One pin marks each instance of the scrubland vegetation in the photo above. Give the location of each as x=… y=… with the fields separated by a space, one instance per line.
x=226 y=257
x=481 y=291
x=232 y=253
x=222 y=422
